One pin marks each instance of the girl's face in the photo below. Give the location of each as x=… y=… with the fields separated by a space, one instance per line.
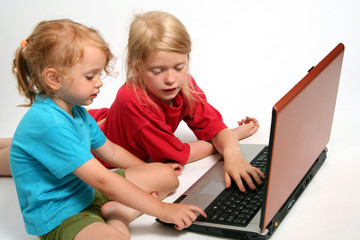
x=82 y=83
x=164 y=74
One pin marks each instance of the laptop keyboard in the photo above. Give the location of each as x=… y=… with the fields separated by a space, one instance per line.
x=233 y=207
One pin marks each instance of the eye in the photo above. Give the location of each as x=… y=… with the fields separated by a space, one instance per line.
x=179 y=67
x=90 y=77
x=157 y=71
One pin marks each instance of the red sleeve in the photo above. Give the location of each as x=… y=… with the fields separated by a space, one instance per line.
x=99 y=114
x=206 y=121
x=161 y=145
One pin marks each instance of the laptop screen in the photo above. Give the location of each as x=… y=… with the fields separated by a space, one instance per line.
x=301 y=127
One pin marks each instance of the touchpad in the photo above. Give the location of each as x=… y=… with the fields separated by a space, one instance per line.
x=213 y=188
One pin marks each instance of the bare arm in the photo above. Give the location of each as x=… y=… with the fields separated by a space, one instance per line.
x=117 y=156
x=201 y=149
x=4 y=156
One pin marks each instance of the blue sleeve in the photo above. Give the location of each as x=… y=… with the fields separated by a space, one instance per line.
x=66 y=146
x=98 y=138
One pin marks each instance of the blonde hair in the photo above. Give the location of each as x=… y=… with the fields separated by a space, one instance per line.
x=55 y=44
x=154 y=31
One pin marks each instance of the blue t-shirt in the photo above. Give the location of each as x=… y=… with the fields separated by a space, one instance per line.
x=48 y=145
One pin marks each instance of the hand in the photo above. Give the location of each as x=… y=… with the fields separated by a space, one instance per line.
x=246 y=128
x=237 y=168
x=180 y=214
x=177 y=168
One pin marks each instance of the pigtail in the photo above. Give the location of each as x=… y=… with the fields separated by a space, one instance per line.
x=22 y=74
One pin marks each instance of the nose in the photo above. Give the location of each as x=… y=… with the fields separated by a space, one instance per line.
x=170 y=78
x=99 y=83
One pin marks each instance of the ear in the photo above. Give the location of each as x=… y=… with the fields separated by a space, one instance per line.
x=52 y=78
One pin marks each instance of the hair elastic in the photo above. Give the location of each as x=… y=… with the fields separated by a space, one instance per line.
x=23 y=43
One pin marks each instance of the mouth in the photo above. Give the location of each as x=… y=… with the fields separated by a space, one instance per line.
x=94 y=95
x=170 y=90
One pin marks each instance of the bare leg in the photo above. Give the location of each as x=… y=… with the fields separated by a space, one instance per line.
x=4 y=156
x=156 y=178
x=100 y=230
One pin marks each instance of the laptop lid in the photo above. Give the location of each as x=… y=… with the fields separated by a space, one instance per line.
x=300 y=130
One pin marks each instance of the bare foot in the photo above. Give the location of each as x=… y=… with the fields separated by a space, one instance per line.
x=246 y=128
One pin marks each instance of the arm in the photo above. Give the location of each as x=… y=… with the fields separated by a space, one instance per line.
x=227 y=144
x=98 y=177
x=121 y=158
x=116 y=155
x=200 y=149
x=5 y=144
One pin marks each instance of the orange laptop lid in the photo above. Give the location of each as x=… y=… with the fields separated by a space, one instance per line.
x=300 y=131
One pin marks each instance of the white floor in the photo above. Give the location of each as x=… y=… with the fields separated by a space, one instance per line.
x=328 y=209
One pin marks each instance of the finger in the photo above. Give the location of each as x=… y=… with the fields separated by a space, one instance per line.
x=239 y=183
x=241 y=123
x=178 y=171
x=248 y=181
x=199 y=211
x=187 y=221
x=256 y=176
x=179 y=225
x=260 y=173
x=181 y=167
x=256 y=122
x=177 y=168
x=227 y=180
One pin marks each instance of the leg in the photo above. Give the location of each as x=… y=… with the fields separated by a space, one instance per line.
x=4 y=156
x=99 y=230
x=152 y=178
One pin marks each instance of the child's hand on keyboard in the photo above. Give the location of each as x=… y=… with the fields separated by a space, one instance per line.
x=236 y=167
x=239 y=169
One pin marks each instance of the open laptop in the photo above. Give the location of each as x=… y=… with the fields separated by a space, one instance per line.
x=300 y=130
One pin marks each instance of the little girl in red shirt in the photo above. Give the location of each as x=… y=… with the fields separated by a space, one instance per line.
x=159 y=93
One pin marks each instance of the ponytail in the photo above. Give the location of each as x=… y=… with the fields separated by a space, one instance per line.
x=20 y=70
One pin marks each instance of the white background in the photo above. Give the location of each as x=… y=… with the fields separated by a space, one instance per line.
x=246 y=56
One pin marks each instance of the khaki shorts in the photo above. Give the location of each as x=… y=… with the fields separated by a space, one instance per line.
x=71 y=226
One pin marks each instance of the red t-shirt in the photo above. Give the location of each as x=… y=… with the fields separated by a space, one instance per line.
x=146 y=131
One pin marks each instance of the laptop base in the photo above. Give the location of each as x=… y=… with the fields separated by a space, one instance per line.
x=246 y=235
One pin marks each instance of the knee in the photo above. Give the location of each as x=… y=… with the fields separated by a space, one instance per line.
x=169 y=176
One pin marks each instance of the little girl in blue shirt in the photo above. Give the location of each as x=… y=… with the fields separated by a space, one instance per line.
x=64 y=192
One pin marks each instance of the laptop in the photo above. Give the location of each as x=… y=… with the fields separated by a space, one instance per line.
x=300 y=130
